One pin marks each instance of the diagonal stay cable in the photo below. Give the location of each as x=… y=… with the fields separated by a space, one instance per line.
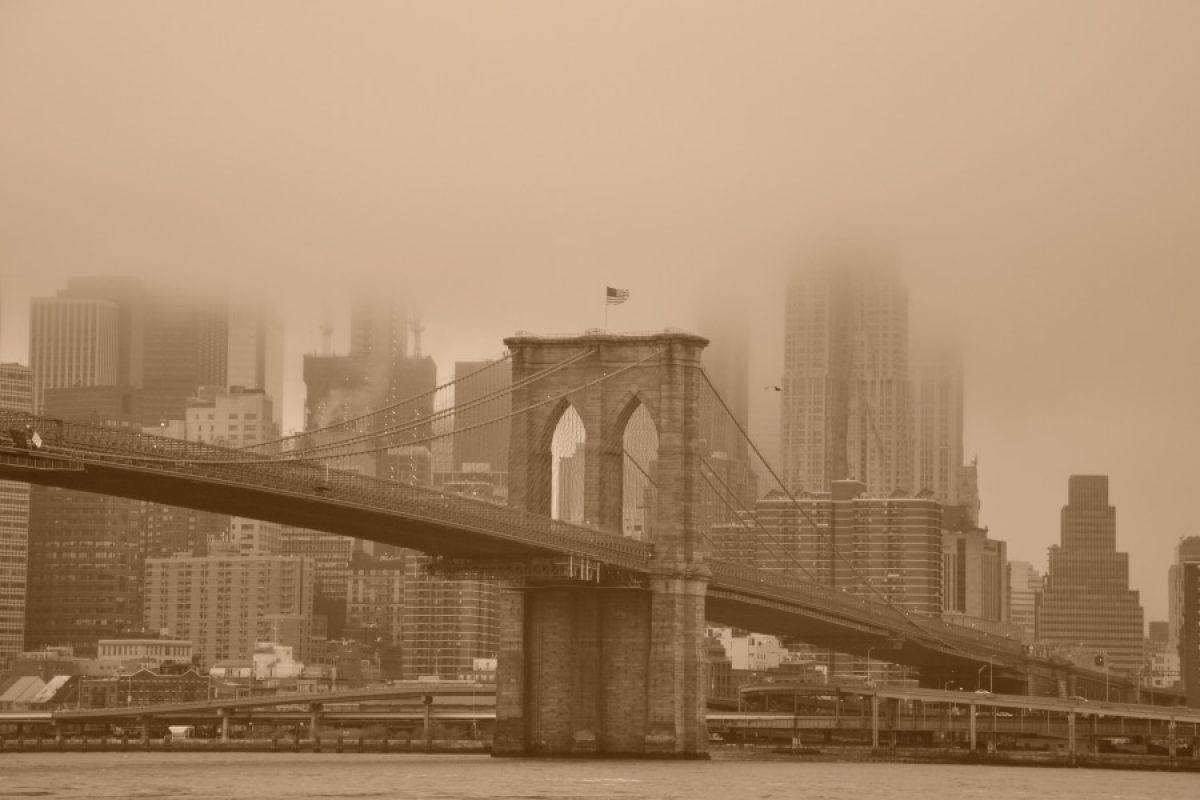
x=391 y=407
x=279 y=462
x=436 y=416
x=808 y=517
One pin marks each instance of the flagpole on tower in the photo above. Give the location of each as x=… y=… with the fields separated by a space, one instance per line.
x=613 y=297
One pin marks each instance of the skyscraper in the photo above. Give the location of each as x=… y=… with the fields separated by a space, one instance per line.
x=1183 y=614
x=846 y=406
x=1024 y=586
x=16 y=393
x=1087 y=602
x=72 y=342
x=483 y=449
x=86 y=550
x=937 y=402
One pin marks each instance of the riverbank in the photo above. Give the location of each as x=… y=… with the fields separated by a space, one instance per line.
x=828 y=755
x=1003 y=758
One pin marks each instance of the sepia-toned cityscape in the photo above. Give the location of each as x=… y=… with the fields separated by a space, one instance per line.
x=756 y=387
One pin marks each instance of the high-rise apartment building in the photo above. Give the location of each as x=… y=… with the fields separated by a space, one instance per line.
x=375 y=593
x=16 y=394
x=446 y=623
x=237 y=417
x=846 y=408
x=887 y=548
x=1087 y=603
x=223 y=604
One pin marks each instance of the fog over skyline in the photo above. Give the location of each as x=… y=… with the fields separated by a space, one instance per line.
x=1031 y=167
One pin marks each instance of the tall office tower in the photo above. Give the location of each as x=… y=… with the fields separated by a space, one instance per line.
x=16 y=394
x=726 y=362
x=129 y=296
x=408 y=405
x=207 y=340
x=222 y=603
x=446 y=623
x=1024 y=587
x=846 y=410
x=968 y=489
x=1186 y=550
x=85 y=550
x=882 y=547
x=72 y=342
x=378 y=327
x=937 y=403
x=1188 y=634
x=237 y=417
x=1087 y=602
x=254 y=336
x=480 y=390
x=974 y=570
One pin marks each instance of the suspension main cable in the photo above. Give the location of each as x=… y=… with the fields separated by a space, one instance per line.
x=436 y=416
x=506 y=356
x=548 y=399
x=808 y=517
x=757 y=523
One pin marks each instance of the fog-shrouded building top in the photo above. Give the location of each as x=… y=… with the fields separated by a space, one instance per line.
x=846 y=407
x=1087 y=602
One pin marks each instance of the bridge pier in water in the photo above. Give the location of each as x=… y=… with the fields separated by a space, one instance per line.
x=615 y=666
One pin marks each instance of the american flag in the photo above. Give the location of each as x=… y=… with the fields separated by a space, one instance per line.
x=614 y=297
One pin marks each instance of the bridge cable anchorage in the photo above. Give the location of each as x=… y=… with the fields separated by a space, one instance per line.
x=504 y=358
x=901 y=613
x=440 y=415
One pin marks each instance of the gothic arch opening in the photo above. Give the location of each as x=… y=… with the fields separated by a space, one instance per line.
x=639 y=492
x=567 y=469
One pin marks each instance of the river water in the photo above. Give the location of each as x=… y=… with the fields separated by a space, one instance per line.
x=303 y=776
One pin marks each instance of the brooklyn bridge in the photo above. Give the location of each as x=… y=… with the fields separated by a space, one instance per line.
x=602 y=633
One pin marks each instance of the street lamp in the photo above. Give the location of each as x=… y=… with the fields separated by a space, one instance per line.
x=991 y=676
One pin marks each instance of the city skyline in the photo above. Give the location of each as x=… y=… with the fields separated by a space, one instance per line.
x=1040 y=206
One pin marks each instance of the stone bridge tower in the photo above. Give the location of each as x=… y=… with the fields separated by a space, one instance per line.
x=613 y=667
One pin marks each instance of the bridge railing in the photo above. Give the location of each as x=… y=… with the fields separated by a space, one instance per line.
x=147 y=452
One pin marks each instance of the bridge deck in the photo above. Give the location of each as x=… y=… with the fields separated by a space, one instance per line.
x=128 y=463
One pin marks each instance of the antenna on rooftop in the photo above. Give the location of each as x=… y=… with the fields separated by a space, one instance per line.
x=416 y=327
x=326 y=329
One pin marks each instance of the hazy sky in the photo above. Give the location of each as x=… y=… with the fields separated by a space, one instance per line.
x=1034 y=167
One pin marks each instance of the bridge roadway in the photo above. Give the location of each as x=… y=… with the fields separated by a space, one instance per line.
x=881 y=711
x=460 y=530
